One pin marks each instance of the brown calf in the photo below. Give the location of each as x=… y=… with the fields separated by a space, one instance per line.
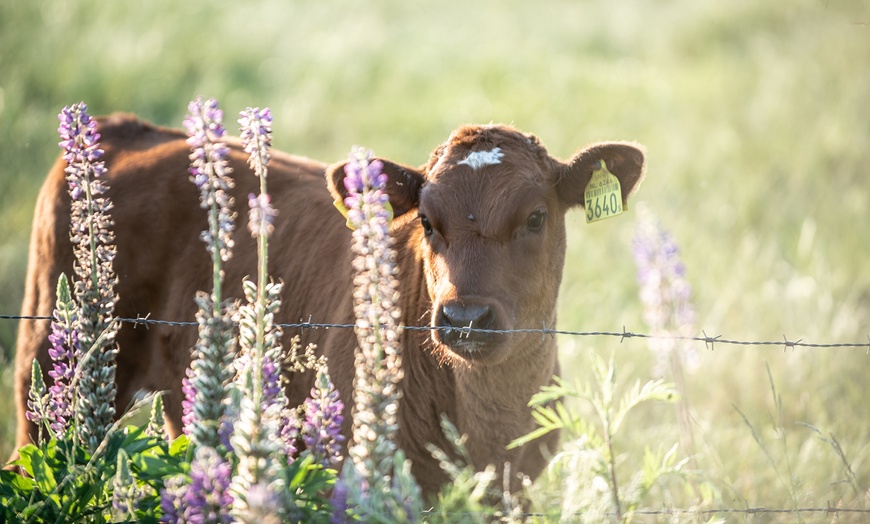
x=480 y=240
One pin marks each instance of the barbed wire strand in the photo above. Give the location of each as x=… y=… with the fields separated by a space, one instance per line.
x=678 y=511
x=709 y=341
x=706 y=339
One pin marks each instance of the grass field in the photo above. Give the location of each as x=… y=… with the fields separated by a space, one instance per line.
x=756 y=120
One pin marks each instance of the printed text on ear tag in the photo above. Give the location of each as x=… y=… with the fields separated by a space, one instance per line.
x=603 y=195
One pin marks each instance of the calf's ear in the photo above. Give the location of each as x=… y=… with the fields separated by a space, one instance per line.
x=403 y=185
x=624 y=159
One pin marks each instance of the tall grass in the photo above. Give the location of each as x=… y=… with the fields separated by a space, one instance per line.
x=754 y=116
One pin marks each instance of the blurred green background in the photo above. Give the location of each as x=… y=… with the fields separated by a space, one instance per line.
x=756 y=116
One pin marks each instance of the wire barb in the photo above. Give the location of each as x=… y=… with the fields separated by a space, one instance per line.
x=710 y=342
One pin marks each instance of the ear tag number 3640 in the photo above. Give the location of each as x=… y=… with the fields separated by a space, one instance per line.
x=603 y=195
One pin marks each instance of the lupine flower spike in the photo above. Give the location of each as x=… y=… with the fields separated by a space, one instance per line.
x=207 y=498
x=664 y=290
x=666 y=297
x=156 y=421
x=37 y=400
x=257 y=437
x=374 y=457
x=64 y=348
x=321 y=429
x=206 y=385
x=94 y=287
x=125 y=492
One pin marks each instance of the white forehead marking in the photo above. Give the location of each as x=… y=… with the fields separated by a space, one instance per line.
x=477 y=159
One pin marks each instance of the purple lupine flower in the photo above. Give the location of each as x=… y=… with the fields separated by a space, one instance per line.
x=256 y=135
x=664 y=292
x=78 y=134
x=339 y=503
x=256 y=439
x=290 y=433
x=265 y=506
x=94 y=287
x=206 y=390
x=172 y=499
x=207 y=498
x=258 y=448
x=321 y=429
x=64 y=348
x=378 y=359
x=211 y=173
x=206 y=385
x=189 y=392
x=272 y=388
x=261 y=220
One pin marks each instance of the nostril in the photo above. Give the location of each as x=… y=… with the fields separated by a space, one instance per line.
x=465 y=316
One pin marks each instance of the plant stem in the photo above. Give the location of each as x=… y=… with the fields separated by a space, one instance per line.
x=611 y=465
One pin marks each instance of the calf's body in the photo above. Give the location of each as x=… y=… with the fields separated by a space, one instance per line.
x=479 y=237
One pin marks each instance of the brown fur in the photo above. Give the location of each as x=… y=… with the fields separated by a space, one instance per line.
x=482 y=253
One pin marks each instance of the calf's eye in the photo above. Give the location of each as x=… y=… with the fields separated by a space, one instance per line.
x=427 y=226
x=535 y=221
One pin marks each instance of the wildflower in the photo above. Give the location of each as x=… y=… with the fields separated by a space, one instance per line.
x=290 y=433
x=172 y=499
x=93 y=246
x=125 y=492
x=210 y=172
x=264 y=504
x=256 y=135
x=37 y=409
x=256 y=438
x=321 y=429
x=373 y=451
x=262 y=215
x=665 y=292
x=206 y=384
x=207 y=499
x=155 y=426
x=339 y=503
x=273 y=390
x=666 y=297
x=256 y=443
x=64 y=348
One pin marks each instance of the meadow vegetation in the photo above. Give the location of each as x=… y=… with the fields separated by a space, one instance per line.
x=756 y=124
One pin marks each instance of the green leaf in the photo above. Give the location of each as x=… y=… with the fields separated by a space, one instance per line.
x=24 y=458
x=12 y=484
x=43 y=475
x=550 y=393
x=525 y=439
x=178 y=447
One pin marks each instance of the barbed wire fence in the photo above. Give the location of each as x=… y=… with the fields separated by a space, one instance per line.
x=710 y=342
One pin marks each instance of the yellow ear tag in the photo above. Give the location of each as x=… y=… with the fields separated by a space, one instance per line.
x=603 y=195
x=343 y=210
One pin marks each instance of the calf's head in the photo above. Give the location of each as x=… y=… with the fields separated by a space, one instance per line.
x=488 y=210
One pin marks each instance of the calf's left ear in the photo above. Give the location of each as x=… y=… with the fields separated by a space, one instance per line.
x=403 y=185
x=624 y=159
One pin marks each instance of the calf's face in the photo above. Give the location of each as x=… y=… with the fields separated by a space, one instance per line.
x=490 y=210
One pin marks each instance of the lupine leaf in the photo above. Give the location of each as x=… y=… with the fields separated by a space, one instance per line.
x=41 y=472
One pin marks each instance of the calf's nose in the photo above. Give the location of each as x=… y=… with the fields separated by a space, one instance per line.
x=456 y=315
x=467 y=316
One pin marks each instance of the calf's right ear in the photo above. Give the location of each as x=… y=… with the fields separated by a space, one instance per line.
x=403 y=185
x=623 y=159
